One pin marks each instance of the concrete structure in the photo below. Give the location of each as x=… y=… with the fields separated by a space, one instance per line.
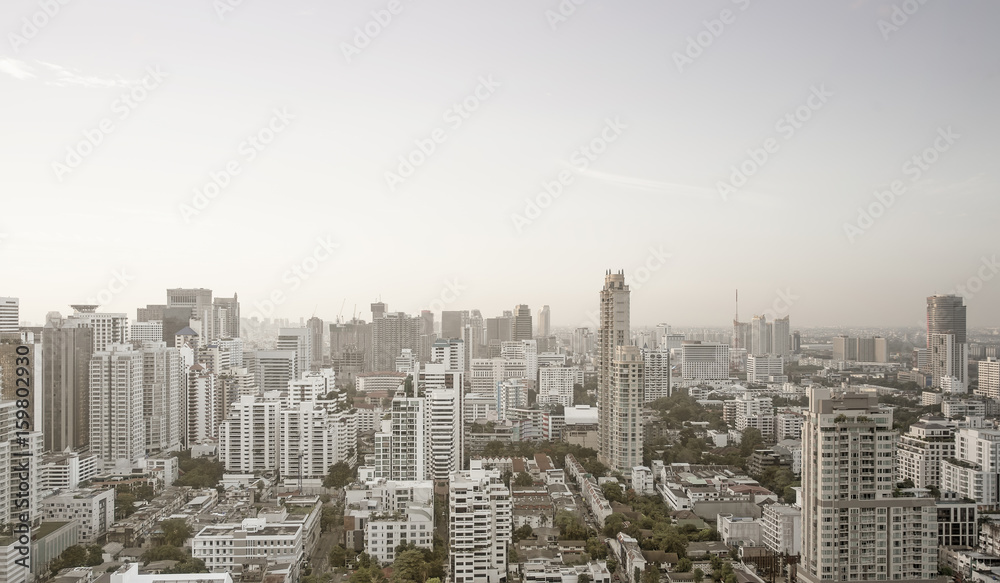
x=921 y=449
x=164 y=397
x=989 y=378
x=973 y=472
x=657 y=363
x=480 y=531
x=224 y=547
x=299 y=341
x=555 y=385
x=248 y=437
x=117 y=426
x=92 y=508
x=849 y=516
x=704 y=361
x=739 y=531
x=613 y=332
x=274 y=369
x=781 y=528
x=760 y=368
x=624 y=410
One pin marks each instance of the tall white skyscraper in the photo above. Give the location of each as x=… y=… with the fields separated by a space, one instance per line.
x=298 y=340
x=117 y=427
x=781 y=338
x=108 y=328
x=989 y=378
x=479 y=535
x=760 y=337
x=248 y=438
x=164 y=390
x=624 y=434
x=613 y=332
x=9 y=315
x=853 y=529
x=949 y=358
x=544 y=321
x=657 y=362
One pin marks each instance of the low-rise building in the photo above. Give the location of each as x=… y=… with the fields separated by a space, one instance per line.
x=93 y=508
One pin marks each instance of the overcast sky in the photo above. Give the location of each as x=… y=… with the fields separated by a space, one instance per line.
x=175 y=92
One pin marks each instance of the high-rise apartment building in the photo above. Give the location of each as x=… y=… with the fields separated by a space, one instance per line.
x=315 y=327
x=108 y=328
x=391 y=333
x=298 y=340
x=9 y=315
x=452 y=322
x=164 y=392
x=989 y=378
x=313 y=436
x=657 y=363
x=199 y=302
x=226 y=316
x=117 y=427
x=351 y=349
x=151 y=313
x=946 y=315
x=274 y=369
x=625 y=439
x=481 y=527
x=544 y=321
x=555 y=385
x=402 y=445
x=948 y=358
x=248 y=438
x=854 y=349
x=853 y=528
x=704 y=361
x=974 y=472
x=763 y=368
x=921 y=449
x=66 y=351
x=613 y=332
x=521 y=327
x=760 y=336
x=781 y=338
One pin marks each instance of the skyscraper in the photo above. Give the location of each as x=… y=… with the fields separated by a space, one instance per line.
x=544 y=321
x=451 y=323
x=760 y=337
x=108 y=328
x=117 y=428
x=390 y=335
x=479 y=537
x=164 y=391
x=9 y=314
x=781 y=338
x=521 y=324
x=66 y=351
x=315 y=326
x=946 y=315
x=226 y=312
x=299 y=341
x=853 y=529
x=202 y=310
x=613 y=332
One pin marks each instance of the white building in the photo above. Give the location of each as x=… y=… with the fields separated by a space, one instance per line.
x=763 y=369
x=94 y=509
x=511 y=394
x=9 y=314
x=781 y=528
x=973 y=472
x=142 y=332
x=402 y=444
x=658 y=364
x=480 y=507
x=948 y=358
x=164 y=390
x=921 y=449
x=275 y=369
x=65 y=471
x=108 y=328
x=226 y=546
x=624 y=402
x=850 y=518
x=387 y=529
x=311 y=386
x=642 y=481
x=989 y=378
x=299 y=341
x=444 y=407
x=248 y=437
x=204 y=408
x=739 y=531
x=788 y=425
x=129 y=573
x=555 y=385
x=704 y=361
x=757 y=412
x=313 y=436
x=117 y=427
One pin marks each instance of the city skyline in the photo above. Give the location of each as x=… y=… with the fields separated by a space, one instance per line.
x=622 y=142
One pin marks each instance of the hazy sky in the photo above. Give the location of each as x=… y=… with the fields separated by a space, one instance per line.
x=663 y=121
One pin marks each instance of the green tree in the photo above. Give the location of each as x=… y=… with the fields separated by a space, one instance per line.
x=338 y=556
x=583 y=578
x=95 y=556
x=613 y=492
x=596 y=548
x=495 y=449
x=409 y=567
x=74 y=556
x=124 y=505
x=651 y=574
x=683 y=565
x=523 y=532
x=175 y=531
x=612 y=564
x=340 y=475
x=699 y=575
x=189 y=565
x=750 y=442
x=164 y=553
x=524 y=479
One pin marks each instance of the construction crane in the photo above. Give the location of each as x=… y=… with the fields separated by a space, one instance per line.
x=340 y=316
